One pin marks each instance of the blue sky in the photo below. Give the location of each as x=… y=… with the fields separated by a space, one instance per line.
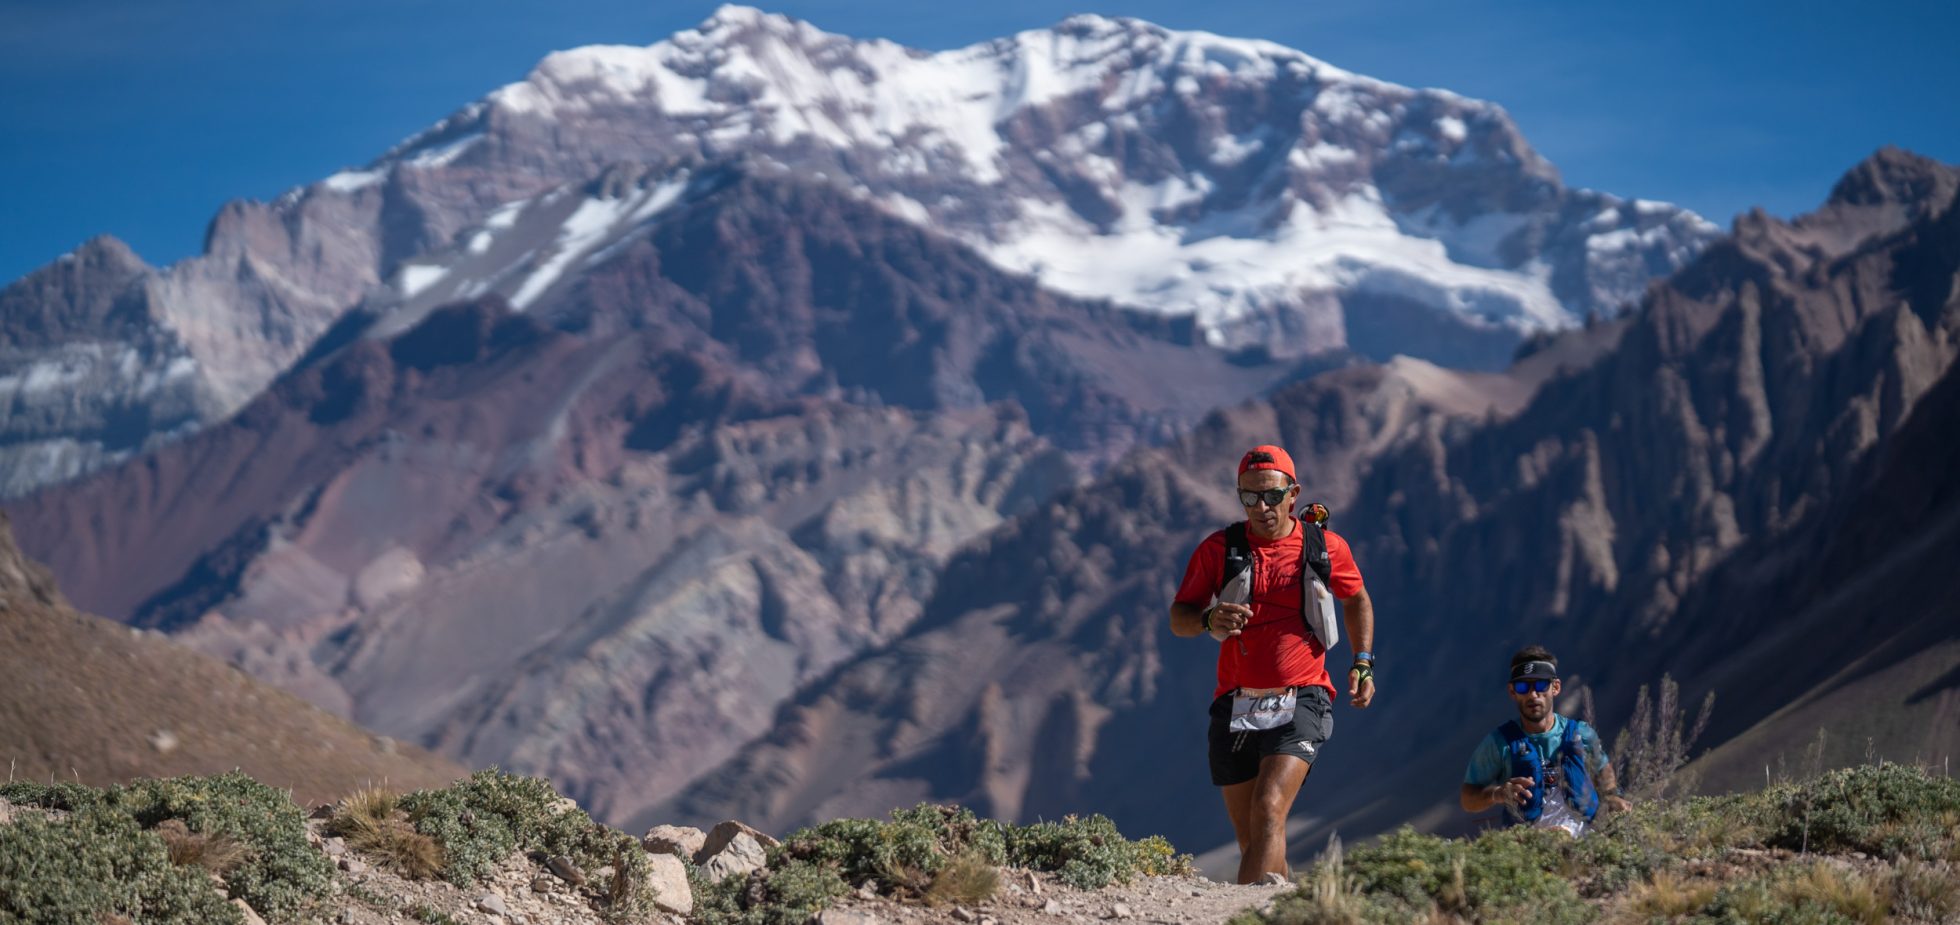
x=139 y=119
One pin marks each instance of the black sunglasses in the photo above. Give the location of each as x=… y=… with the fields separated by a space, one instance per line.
x=1272 y=496
x=1538 y=685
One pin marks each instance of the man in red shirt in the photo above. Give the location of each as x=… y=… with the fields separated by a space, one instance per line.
x=1267 y=651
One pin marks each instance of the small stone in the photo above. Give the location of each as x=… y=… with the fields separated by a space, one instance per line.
x=491 y=903
x=603 y=873
x=988 y=920
x=322 y=811
x=836 y=916
x=561 y=806
x=964 y=914
x=346 y=917
x=250 y=915
x=164 y=741
x=1120 y=911
x=334 y=847
x=868 y=890
x=1197 y=892
x=352 y=866
x=565 y=870
x=1052 y=907
x=541 y=884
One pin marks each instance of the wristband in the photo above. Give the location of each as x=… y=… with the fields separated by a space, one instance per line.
x=1204 y=618
x=1368 y=657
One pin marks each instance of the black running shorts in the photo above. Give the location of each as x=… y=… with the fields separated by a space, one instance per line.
x=1235 y=756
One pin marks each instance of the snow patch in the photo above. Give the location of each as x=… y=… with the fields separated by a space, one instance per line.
x=589 y=226
x=348 y=181
x=415 y=278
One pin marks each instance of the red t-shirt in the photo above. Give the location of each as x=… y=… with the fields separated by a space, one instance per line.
x=1274 y=649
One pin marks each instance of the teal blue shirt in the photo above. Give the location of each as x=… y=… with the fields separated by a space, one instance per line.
x=1489 y=765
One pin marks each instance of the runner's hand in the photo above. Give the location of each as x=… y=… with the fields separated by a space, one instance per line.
x=1514 y=791
x=1361 y=690
x=1227 y=620
x=1618 y=804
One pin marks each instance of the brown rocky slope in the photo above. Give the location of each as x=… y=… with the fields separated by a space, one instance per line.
x=90 y=700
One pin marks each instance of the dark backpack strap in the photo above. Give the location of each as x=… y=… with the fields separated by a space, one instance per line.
x=1313 y=544
x=1238 y=553
x=1524 y=763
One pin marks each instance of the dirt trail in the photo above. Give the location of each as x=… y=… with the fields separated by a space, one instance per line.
x=1026 y=898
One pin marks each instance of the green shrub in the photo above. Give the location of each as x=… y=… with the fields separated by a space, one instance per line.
x=928 y=853
x=280 y=873
x=98 y=863
x=1088 y=853
x=481 y=819
x=1892 y=811
x=1504 y=875
x=58 y=796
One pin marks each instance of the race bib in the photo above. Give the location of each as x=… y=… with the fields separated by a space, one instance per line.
x=1262 y=712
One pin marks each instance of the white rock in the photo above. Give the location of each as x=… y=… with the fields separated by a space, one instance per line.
x=1120 y=911
x=668 y=877
x=835 y=916
x=164 y=741
x=251 y=916
x=737 y=858
x=680 y=840
x=719 y=837
x=491 y=903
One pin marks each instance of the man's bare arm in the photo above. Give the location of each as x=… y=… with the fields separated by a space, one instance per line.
x=1187 y=619
x=1227 y=620
x=1358 y=612
x=1477 y=799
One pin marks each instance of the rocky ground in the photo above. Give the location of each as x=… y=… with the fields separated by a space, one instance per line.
x=529 y=890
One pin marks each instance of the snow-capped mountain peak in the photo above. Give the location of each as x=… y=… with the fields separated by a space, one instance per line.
x=1270 y=193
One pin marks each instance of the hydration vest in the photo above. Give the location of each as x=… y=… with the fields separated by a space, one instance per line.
x=1579 y=791
x=1317 y=602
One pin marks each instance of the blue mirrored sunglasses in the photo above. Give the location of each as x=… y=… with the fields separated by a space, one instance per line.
x=1538 y=685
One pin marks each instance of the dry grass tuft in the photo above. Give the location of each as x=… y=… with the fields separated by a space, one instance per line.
x=373 y=823
x=215 y=853
x=966 y=879
x=1849 y=893
x=1668 y=895
x=1924 y=892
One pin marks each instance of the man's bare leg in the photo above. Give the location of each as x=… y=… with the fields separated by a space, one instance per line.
x=1262 y=845
x=1238 y=805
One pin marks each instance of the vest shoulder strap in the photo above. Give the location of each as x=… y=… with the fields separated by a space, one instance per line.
x=1238 y=552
